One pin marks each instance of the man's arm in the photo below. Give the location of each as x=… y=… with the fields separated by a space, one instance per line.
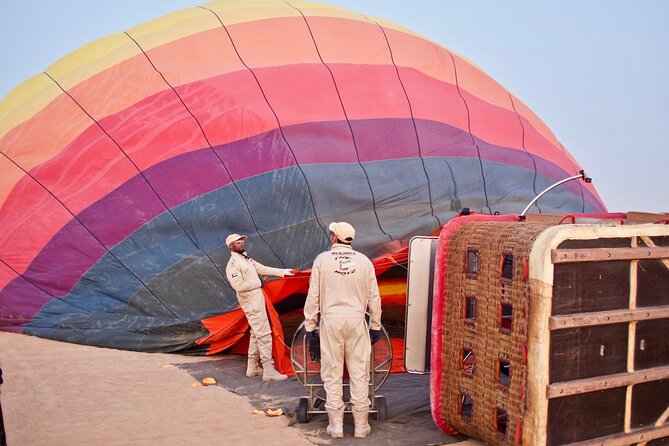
x=313 y=302
x=374 y=302
x=268 y=270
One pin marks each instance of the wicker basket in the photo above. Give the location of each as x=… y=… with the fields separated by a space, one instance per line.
x=539 y=328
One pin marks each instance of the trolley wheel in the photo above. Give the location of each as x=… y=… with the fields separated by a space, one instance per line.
x=381 y=408
x=303 y=410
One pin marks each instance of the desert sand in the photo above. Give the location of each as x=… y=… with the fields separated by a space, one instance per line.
x=56 y=393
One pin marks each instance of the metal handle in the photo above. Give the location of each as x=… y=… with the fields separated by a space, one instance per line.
x=581 y=175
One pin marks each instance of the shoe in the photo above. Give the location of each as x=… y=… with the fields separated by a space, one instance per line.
x=253 y=368
x=271 y=374
x=334 y=433
x=362 y=427
x=336 y=423
x=363 y=431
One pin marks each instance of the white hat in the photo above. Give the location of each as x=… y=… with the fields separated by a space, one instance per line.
x=233 y=238
x=343 y=231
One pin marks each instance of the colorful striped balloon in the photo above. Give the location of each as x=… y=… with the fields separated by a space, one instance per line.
x=126 y=164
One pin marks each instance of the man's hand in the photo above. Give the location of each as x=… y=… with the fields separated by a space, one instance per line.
x=375 y=336
x=314 y=341
x=289 y=272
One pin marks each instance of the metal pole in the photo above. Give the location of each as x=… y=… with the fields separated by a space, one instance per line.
x=581 y=175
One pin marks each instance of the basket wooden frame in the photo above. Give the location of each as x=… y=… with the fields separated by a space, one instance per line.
x=541 y=268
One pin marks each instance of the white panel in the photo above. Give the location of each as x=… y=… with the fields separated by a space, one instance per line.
x=419 y=304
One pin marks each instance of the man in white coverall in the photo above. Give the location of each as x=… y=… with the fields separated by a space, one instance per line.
x=342 y=287
x=242 y=272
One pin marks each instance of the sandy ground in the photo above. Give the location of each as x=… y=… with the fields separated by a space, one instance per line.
x=57 y=393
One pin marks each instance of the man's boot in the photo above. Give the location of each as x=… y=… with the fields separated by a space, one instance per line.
x=253 y=367
x=269 y=373
x=362 y=428
x=336 y=423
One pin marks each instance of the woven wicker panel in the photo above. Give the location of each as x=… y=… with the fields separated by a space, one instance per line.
x=491 y=344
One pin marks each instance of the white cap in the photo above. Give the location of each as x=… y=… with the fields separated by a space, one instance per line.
x=233 y=238
x=343 y=231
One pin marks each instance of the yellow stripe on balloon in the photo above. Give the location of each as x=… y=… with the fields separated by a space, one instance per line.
x=23 y=102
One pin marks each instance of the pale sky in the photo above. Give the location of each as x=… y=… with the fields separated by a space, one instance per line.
x=594 y=71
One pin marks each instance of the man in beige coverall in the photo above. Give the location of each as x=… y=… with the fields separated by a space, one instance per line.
x=242 y=272
x=342 y=287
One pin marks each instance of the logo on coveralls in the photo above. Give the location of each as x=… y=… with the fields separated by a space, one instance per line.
x=345 y=265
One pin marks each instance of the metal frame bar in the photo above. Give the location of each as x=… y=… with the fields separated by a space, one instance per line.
x=581 y=175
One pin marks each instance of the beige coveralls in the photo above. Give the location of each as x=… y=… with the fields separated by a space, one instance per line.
x=242 y=272
x=342 y=286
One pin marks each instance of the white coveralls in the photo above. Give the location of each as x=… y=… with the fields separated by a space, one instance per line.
x=342 y=286
x=242 y=272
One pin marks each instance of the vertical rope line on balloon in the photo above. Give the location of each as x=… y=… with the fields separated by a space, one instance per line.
x=348 y=122
x=580 y=184
x=74 y=216
x=138 y=170
x=534 y=162
x=413 y=118
x=217 y=156
x=448 y=164
x=445 y=159
x=469 y=129
x=42 y=289
x=283 y=136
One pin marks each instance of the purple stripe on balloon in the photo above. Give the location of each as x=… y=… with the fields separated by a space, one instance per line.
x=126 y=208
x=19 y=302
x=60 y=264
x=325 y=142
x=437 y=139
x=63 y=260
x=256 y=155
x=187 y=176
x=384 y=139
